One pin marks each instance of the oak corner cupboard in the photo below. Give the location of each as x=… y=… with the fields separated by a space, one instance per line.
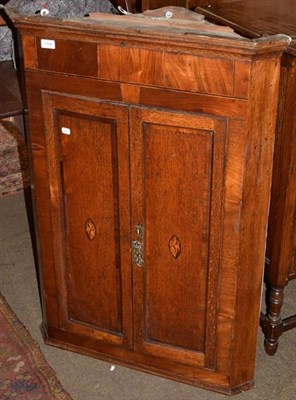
x=151 y=144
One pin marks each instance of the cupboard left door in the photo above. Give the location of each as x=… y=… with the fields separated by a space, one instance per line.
x=87 y=162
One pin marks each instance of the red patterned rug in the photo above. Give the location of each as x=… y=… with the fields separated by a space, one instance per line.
x=24 y=372
x=14 y=164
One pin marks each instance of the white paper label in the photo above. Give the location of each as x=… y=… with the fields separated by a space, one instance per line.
x=66 y=131
x=48 y=44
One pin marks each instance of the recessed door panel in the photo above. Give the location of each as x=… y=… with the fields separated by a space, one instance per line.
x=173 y=184
x=89 y=168
x=90 y=177
x=177 y=204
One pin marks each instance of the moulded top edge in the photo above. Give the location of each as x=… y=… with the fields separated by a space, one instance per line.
x=292 y=46
x=191 y=34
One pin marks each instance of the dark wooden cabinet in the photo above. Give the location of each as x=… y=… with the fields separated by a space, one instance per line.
x=281 y=239
x=152 y=152
x=255 y=19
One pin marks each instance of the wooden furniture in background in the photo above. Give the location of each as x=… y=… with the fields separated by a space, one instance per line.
x=152 y=162
x=256 y=19
x=10 y=97
x=153 y=4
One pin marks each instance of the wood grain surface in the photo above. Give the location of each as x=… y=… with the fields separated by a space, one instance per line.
x=152 y=181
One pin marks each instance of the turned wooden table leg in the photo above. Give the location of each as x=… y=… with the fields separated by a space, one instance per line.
x=271 y=323
x=280 y=250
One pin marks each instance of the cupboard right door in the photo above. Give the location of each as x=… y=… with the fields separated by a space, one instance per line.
x=177 y=162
